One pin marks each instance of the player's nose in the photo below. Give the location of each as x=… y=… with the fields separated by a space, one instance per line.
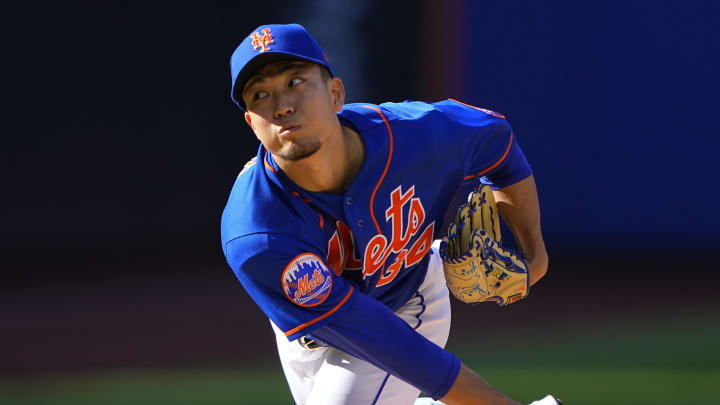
x=283 y=106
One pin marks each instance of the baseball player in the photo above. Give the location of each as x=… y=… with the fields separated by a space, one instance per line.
x=332 y=228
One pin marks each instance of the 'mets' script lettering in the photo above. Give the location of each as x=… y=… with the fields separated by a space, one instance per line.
x=378 y=249
x=341 y=250
x=306 y=285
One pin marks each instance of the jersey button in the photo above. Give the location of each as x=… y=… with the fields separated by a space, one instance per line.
x=361 y=223
x=349 y=201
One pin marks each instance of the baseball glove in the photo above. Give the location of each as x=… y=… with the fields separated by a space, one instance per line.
x=477 y=267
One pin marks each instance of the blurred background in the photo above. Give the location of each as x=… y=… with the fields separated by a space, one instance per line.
x=120 y=145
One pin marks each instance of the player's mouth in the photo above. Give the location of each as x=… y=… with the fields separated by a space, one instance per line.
x=288 y=129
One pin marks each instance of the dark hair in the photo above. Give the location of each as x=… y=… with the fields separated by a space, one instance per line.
x=325 y=73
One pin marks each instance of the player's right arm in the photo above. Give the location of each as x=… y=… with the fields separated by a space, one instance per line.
x=267 y=266
x=408 y=355
x=471 y=389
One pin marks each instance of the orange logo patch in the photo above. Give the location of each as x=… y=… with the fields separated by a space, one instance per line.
x=307 y=280
x=261 y=42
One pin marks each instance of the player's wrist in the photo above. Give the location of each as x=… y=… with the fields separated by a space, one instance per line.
x=470 y=388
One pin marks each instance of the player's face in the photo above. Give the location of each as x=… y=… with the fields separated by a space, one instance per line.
x=292 y=108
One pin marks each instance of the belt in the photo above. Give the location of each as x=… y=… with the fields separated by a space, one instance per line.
x=309 y=343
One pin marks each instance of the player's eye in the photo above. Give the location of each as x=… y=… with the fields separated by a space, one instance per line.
x=295 y=81
x=259 y=94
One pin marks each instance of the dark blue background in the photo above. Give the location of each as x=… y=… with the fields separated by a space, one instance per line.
x=616 y=106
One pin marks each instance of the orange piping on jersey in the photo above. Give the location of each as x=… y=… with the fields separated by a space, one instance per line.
x=387 y=166
x=268 y=164
x=491 y=112
x=307 y=200
x=496 y=163
x=296 y=194
x=323 y=316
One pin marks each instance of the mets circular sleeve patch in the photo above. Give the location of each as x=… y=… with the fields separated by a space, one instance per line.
x=306 y=280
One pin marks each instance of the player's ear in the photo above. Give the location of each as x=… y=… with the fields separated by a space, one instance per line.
x=337 y=93
x=248 y=119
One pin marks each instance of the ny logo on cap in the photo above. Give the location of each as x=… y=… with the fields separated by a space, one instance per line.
x=261 y=42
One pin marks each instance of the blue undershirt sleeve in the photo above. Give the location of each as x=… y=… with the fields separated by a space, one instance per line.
x=372 y=332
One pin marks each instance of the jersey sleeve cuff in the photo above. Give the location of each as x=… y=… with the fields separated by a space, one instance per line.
x=510 y=180
x=324 y=319
x=444 y=388
x=512 y=170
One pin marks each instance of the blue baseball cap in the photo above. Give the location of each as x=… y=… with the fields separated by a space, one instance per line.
x=270 y=43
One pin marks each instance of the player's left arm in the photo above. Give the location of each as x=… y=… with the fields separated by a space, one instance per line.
x=519 y=208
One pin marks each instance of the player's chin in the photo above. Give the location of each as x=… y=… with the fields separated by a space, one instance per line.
x=297 y=152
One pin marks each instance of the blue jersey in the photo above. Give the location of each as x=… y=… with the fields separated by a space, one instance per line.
x=307 y=258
